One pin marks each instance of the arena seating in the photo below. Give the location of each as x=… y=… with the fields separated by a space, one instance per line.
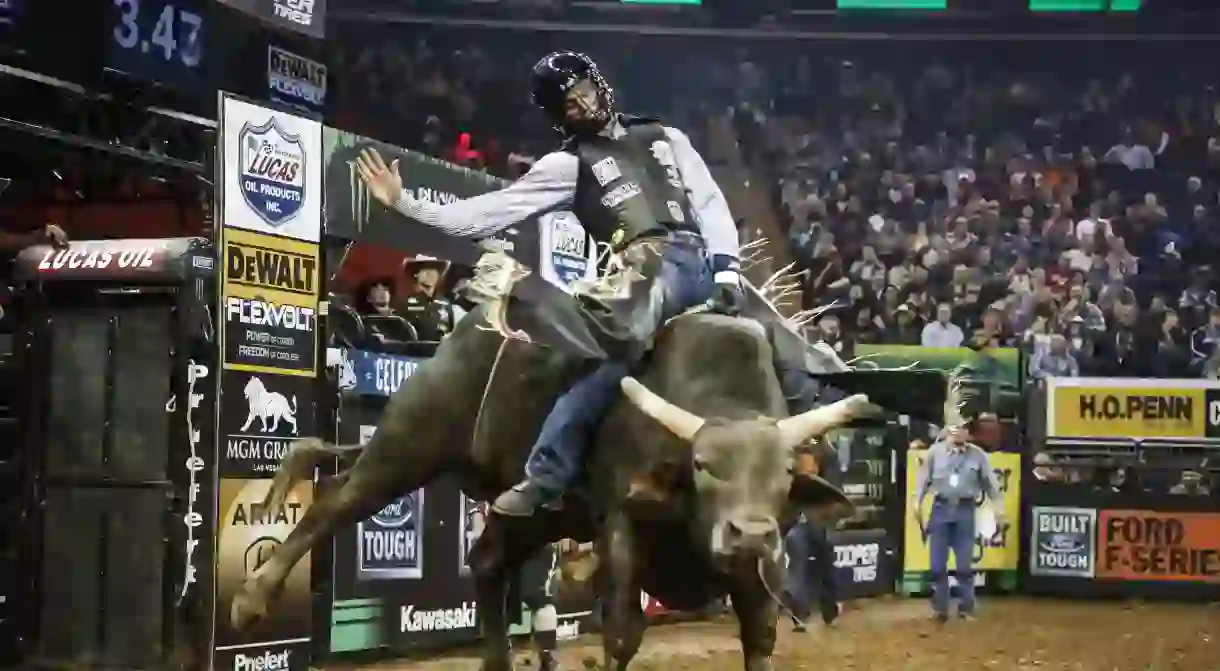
x=1072 y=214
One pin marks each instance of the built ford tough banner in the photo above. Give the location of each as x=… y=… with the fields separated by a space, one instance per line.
x=1124 y=408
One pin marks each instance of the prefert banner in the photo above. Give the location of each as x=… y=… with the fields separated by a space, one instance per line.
x=247 y=535
x=270 y=300
x=1123 y=408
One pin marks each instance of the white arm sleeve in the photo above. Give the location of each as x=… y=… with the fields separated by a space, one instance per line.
x=549 y=185
x=707 y=202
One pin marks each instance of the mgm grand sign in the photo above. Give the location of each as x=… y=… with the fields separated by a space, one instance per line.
x=1125 y=408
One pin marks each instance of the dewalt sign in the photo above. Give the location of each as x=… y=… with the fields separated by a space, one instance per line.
x=271 y=290
x=1132 y=408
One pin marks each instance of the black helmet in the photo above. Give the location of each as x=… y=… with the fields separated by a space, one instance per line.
x=556 y=74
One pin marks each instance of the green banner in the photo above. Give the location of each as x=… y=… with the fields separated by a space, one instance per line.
x=989 y=380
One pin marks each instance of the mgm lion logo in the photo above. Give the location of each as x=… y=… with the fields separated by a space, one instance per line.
x=269 y=407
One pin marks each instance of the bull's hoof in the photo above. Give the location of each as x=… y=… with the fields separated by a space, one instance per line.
x=250 y=606
x=759 y=664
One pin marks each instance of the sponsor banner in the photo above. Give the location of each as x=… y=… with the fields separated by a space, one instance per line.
x=260 y=417
x=568 y=253
x=271 y=171
x=198 y=517
x=422 y=621
x=1161 y=547
x=270 y=300
x=1061 y=542
x=377 y=374
x=247 y=535
x=990 y=380
x=996 y=545
x=390 y=544
x=472 y=514
x=295 y=80
x=129 y=259
x=1124 y=408
x=352 y=214
x=307 y=17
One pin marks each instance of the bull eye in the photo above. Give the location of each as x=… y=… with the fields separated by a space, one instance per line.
x=700 y=464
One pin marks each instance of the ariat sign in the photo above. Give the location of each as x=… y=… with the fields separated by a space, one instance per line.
x=1132 y=408
x=445 y=619
x=265 y=661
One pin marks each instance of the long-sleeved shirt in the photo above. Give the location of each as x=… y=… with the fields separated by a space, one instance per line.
x=937 y=334
x=955 y=473
x=550 y=185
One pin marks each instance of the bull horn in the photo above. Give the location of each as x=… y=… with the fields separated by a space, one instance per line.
x=796 y=430
x=682 y=423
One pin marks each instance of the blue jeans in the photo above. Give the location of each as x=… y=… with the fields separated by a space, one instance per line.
x=811 y=570
x=951 y=526
x=558 y=455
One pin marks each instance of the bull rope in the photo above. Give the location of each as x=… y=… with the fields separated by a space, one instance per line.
x=495 y=366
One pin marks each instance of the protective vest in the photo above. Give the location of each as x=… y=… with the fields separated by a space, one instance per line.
x=630 y=187
x=433 y=318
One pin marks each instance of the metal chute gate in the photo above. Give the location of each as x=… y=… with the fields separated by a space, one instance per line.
x=115 y=354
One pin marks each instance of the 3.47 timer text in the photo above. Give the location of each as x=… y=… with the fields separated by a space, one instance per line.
x=176 y=33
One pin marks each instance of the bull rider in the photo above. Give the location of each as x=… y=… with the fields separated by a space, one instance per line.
x=635 y=184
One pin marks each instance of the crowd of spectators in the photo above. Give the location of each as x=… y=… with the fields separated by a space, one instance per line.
x=1073 y=216
x=944 y=199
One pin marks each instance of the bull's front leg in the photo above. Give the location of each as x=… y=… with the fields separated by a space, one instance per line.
x=623 y=620
x=757 y=613
x=495 y=561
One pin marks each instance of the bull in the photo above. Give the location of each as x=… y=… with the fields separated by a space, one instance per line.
x=687 y=495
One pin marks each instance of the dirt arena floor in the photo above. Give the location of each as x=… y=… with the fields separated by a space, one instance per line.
x=897 y=634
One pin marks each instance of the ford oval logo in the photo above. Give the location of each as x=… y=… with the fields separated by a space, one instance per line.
x=399 y=513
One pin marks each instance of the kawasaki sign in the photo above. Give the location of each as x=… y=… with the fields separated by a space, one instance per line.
x=443 y=619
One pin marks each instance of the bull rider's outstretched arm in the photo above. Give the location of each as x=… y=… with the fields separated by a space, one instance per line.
x=549 y=185
x=708 y=205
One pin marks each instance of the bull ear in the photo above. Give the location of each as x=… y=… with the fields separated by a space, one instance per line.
x=811 y=491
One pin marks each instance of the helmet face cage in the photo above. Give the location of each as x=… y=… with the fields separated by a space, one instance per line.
x=557 y=73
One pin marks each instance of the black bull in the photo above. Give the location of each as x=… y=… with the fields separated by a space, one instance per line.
x=686 y=514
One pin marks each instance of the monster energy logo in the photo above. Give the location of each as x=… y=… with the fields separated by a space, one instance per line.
x=360 y=197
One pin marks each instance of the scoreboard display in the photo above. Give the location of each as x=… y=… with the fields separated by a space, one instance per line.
x=184 y=50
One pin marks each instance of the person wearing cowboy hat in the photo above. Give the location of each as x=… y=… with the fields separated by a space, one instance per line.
x=375 y=296
x=955 y=472
x=425 y=306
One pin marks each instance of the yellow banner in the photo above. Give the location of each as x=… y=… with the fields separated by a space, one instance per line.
x=996 y=553
x=1132 y=408
x=269 y=303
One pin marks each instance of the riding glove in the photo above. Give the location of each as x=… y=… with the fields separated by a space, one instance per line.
x=728 y=295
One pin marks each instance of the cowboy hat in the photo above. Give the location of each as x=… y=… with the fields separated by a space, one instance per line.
x=413 y=264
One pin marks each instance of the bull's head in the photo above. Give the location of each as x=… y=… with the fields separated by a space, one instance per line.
x=746 y=473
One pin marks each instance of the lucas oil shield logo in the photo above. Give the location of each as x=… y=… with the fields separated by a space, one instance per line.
x=568 y=247
x=272 y=172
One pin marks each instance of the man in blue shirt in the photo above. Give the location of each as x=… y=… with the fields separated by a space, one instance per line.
x=957 y=474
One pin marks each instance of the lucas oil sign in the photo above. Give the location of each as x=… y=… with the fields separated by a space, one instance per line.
x=272 y=171
x=1132 y=408
x=270 y=304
